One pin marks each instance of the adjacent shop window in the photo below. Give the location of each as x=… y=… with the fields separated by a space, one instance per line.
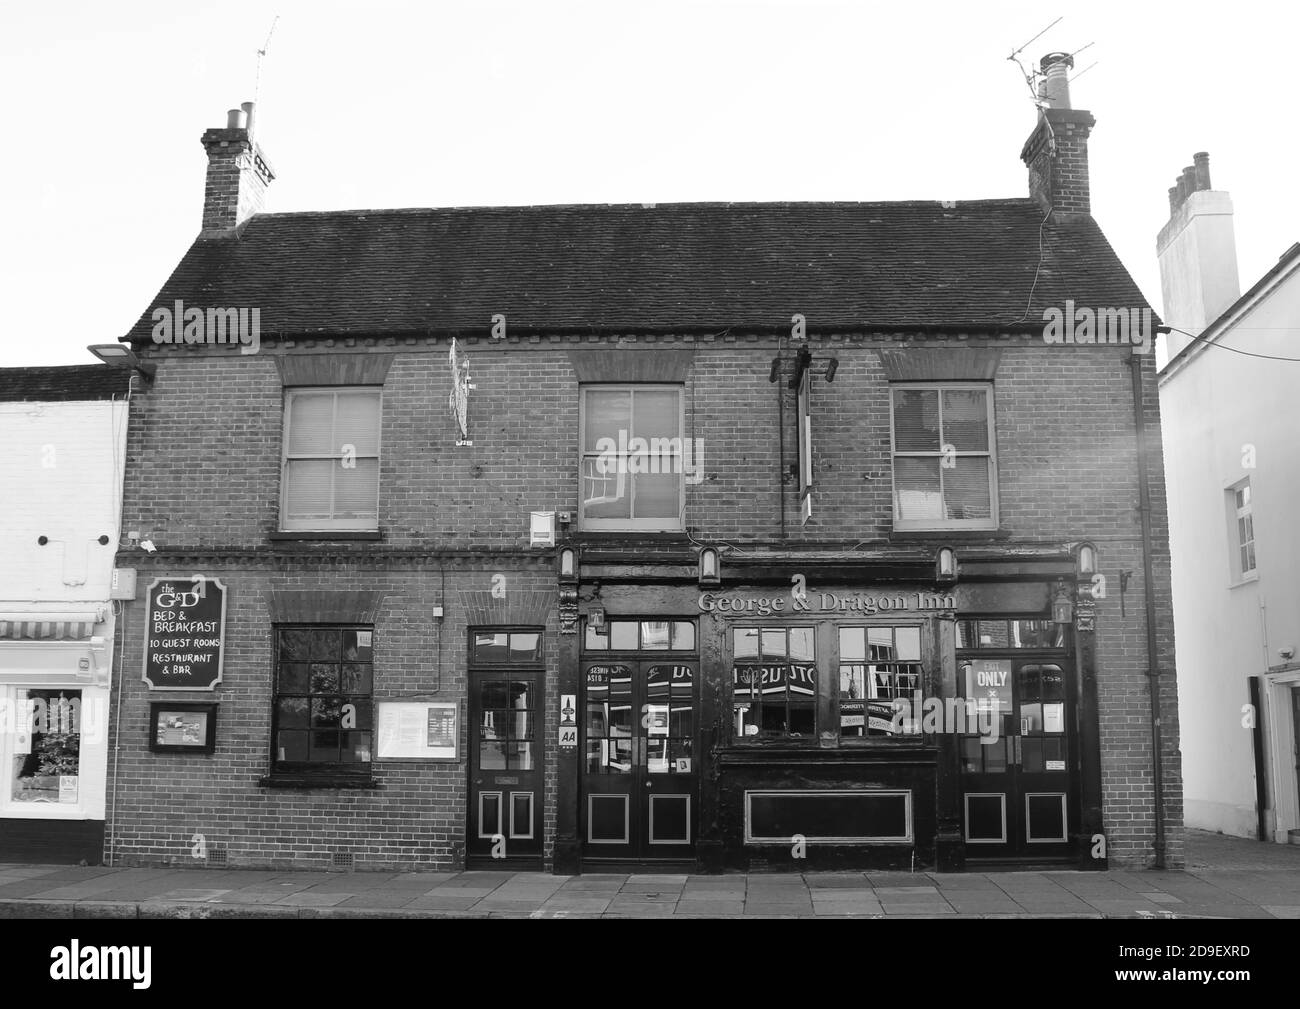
x=323 y=685
x=633 y=464
x=877 y=666
x=46 y=750
x=1010 y=634
x=508 y=702
x=945 y=474
x=641 y=636
x=330 y=479
x=1241 y=521
x=774 y=681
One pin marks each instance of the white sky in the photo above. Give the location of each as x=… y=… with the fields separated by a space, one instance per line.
x=388 y=104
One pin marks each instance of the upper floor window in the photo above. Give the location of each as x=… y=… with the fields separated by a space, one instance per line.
x=330 y=478
x=945 y=467
x=1242 y=521
x=633 y=467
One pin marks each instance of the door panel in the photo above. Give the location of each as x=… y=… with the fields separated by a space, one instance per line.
x=640 y=776
x=505 y=752
x=1020 y=786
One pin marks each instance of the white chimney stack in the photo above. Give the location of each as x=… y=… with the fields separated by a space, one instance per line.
x=1197 y=250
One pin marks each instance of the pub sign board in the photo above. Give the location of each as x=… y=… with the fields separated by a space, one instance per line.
x=185 y=632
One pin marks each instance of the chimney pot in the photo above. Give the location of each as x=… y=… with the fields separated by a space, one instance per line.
x=1202 y=163
x=1173 y=199
x=1056 y=70
x=235 y=119
x=1189 y=180
x=248 y=112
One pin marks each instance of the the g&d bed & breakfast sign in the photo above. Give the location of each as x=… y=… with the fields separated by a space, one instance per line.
x=185 y=628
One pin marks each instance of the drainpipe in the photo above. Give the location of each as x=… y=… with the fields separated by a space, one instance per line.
x=1153 y=669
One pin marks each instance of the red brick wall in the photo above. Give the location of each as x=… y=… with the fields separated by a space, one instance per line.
x=203 y=482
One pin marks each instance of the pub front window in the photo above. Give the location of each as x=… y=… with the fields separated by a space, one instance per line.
x=774 y=681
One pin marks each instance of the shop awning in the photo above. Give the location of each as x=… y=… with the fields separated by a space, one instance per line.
x=57 y=630
x=49 y=626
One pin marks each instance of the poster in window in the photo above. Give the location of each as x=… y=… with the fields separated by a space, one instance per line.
x=988 y=683
x=418 y=730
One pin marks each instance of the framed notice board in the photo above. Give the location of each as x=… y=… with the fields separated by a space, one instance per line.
x=418 y=730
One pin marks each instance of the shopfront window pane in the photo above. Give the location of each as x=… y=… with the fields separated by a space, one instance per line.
x=745 y=643
x=880 y=644
x=801 y=644
x=525 y=647
x=655 y=635
x=46 y=746
x=993 y=634
x=908 y=640
x=623 y=635
x=853 y=644
x=683 y=636
x=595 y=640
x=774 y=644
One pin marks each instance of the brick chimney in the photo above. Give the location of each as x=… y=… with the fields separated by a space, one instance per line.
x=1198 y=254
x=1056 y=153
x=238 y=174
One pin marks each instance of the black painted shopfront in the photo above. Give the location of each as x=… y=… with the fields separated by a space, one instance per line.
x=785 y=722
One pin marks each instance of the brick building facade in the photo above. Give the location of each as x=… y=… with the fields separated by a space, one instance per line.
x=867 y=483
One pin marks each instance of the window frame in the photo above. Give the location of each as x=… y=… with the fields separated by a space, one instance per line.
x=818 y=694
x=90 y=716
x=923 y=684
x=991 y=455
x=1238 y=573
x=480 y=670
x=286 y=525
x=320 y=769
x=677 y=523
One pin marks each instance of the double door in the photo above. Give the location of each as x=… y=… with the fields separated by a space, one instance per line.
x=1019 y=759
x=640 y=795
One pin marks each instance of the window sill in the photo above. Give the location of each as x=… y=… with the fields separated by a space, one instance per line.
x=318 y=781
x=610 y=535
x=956 y=535
x=1250 y=579
x=353 y=535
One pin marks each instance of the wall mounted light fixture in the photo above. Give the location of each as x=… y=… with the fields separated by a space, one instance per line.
x=1086 y=560
x=710 y=566
x=945 y=565
x=567 y=563
x=119 y=355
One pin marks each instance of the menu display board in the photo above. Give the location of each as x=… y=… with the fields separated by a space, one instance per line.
x=185 y=628
x=418 y=730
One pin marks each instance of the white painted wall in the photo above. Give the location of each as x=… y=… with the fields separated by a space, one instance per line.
x=62 y=478
x=1198 y=265
x=1214 y=406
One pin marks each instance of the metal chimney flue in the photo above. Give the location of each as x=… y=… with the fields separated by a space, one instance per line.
x=1056 y=72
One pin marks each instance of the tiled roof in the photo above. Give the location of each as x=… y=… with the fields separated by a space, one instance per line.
x=685 y=266
x=70 y=382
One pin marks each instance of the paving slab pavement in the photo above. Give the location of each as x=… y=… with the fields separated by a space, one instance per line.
x=1225 y=878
